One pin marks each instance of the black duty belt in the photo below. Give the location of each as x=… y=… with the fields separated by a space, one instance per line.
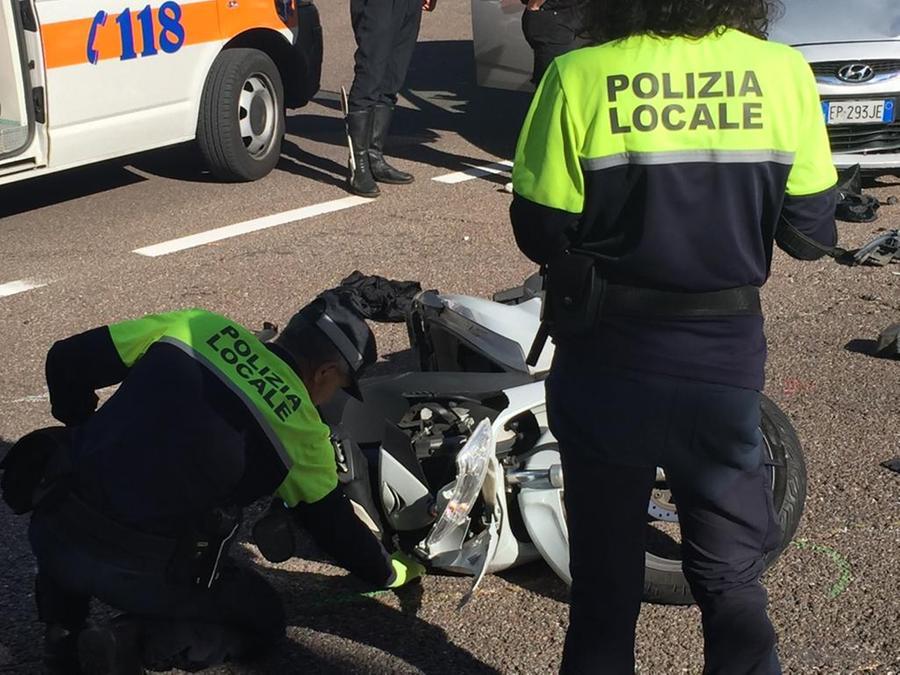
x=650 y=302
x=577 y=298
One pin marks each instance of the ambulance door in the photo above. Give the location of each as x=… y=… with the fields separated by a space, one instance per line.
x=23 y=141
x=122 y=75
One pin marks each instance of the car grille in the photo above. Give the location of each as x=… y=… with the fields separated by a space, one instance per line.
x=831 y=68
x=872 y=138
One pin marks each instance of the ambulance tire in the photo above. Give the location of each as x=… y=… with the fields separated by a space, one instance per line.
x=241 y=123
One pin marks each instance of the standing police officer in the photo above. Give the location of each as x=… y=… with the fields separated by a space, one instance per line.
x=207 y=420
x=386 y=32
x=652 y=175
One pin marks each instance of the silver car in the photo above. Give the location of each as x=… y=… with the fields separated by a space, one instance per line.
x=853 y=47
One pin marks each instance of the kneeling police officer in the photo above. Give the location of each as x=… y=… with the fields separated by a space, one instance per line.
x=207 y=420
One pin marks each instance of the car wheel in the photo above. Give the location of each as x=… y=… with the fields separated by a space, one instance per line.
x=241 y=123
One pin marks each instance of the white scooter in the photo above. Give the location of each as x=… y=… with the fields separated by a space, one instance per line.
x=456 y=464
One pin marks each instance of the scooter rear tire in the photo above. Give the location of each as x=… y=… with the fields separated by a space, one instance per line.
x=665 y=583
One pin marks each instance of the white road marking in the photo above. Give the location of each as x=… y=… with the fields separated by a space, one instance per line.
x=103 y=394
x=254 y=225
x=327 y=95
x=32 y=399
x=475 y=172
x=20 y=286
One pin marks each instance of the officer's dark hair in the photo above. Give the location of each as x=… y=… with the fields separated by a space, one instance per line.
x=309 y=345
x=607 y=20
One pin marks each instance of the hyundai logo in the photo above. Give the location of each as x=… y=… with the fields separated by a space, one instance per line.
x=856 y=73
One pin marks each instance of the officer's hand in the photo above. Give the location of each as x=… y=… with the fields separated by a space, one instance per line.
x=429 y=5
x=406 y=569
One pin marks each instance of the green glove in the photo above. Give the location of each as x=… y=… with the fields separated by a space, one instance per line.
x=405 y=569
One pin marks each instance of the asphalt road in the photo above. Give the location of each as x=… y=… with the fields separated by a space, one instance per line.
x=834 y=595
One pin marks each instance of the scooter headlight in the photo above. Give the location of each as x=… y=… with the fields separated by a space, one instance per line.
x=472 y=464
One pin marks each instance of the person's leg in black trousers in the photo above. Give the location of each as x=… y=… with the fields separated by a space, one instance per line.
x=64 y=615
x=715 y=469
x=614 y=427
x=407 y=20
x=165 y=625
x=608 y=423
x=606 y=512
x=240 y=618
x=374 y=24
x=549 y=33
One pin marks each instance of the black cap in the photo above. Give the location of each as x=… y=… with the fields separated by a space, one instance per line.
x=334 y=315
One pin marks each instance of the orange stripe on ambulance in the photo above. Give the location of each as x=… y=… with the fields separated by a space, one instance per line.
x=95 y=79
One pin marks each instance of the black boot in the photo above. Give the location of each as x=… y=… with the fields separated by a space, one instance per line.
x=61 y=651
x=359 y=135
x=112 y=649
x=381 y=170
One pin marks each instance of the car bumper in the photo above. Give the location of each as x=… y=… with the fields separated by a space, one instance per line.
x=887 y=162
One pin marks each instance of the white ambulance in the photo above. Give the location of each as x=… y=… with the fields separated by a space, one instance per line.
x=87 y=80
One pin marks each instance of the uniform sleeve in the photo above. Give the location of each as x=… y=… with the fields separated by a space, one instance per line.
x=336 y=529
x=810 y=201
x=75 y=368
x=313 y=472
x=133 y=338
x=548 y=184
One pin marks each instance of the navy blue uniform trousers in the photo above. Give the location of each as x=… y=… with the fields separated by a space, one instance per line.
x=614 y=428
x=386 y=32
x=181 y=625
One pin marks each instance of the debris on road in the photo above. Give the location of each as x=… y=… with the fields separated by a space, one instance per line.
x=852 y=205
x=881 y=251
x=892 y=464
x=889 y=342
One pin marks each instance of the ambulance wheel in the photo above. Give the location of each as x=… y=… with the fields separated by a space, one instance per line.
x=664 y=581
x=241 y=122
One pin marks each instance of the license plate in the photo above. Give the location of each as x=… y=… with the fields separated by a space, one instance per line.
x=879 y=111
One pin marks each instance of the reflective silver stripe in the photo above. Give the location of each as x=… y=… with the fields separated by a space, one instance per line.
x=340 y=340
x=256 y=412
x=687 y=157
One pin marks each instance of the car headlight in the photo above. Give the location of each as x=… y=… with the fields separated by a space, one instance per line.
x=472 y=464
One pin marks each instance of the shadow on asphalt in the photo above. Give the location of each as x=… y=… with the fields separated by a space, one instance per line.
x=538 y=578
x=400 y=633
x=447 y=101
x=394 y=364
x=17 y=652
x=298 y=161
x=56 y=188
x=880 y=181
x=862 y=346
x=441 y=84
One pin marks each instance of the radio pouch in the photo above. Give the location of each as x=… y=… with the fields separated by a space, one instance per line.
x=574 y=294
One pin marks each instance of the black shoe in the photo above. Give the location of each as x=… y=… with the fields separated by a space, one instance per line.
x=381 y=170
x=359 y=134
x=110 y=650
x=61 y=651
